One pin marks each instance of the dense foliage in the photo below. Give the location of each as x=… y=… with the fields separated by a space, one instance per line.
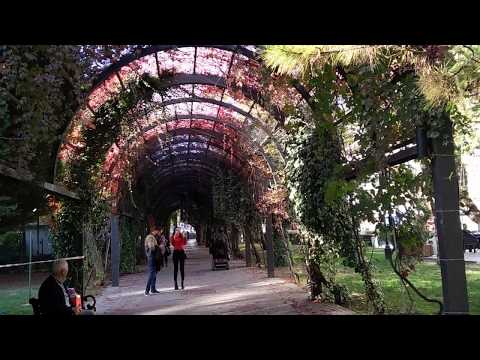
x=375 y=97
x=362 y=101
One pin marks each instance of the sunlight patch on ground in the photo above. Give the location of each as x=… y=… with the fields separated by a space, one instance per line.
x=210 y=300
x=267 y=282
x=141 y=292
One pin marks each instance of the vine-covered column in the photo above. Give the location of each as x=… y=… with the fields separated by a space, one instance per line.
x=269 y=246
x=248 y=250
x=115 y=249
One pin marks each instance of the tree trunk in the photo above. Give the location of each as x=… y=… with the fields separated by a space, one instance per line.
x=289 y=253
x=258 y=260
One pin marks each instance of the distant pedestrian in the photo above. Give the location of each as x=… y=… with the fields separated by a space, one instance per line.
x=168 y=251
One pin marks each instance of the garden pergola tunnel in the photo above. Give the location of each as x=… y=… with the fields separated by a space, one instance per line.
x=210 y=106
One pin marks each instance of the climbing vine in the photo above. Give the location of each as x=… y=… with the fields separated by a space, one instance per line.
x=129 y=232
x=372 y=97
x=98 y=190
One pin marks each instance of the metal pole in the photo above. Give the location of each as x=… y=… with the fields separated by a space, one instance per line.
x=447 y=222
x=115 y=250
x=38 y=233
x=83 y=260
x=30 y=269
x=269 y=245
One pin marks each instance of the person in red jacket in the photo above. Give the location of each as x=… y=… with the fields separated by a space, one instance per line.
x=178 y=242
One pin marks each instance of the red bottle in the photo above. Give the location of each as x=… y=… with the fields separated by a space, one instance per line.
x=78 y=302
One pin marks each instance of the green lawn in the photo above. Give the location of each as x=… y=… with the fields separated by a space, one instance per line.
x=15 y=301
x=426 y=278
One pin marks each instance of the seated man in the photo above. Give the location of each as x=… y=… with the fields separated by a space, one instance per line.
x=52 y=295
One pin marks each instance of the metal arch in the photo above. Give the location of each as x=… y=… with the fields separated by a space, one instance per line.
x=156 y=153
x=195 y=167
x=142 y=52
x=218 y=81
x=198 y=175
x=183 y=157
x=196 y=141
x=181 y=131
x=212 y=170
x=160 y=156
x=195 y=131
x=218 y=160
x=238 y=130
x=200 y=117
x=195 y=162
x=244 y=113
x=196 y=134
x=154 y=49
x=210 y=118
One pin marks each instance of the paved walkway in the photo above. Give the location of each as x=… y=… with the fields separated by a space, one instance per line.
x=238 y=291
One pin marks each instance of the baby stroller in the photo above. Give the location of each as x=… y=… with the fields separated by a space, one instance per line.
x=220 y=256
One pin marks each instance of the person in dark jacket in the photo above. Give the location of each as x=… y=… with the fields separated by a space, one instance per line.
x=52 y=295
x=166 y=241
x=162 y=258
x=151 y=250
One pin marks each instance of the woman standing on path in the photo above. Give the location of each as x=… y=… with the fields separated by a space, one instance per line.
x=151 y=249
x=178 y=241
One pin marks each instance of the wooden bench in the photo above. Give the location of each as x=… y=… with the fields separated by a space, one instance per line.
x=85 y=304
x=470 y=241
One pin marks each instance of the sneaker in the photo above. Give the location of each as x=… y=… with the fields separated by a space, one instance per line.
x=176 y=287
x=183 y=287
x=155 y=291
x=146 y=293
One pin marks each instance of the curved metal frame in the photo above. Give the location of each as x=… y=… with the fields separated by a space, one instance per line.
x=218 y=81
x=197 y=141
x=254 y=120
x=142 y=52
x=193 y=158
x=209 y=118
x=212 y=118
x=194 y=137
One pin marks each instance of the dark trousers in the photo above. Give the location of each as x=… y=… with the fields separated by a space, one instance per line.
x=166 y=259
x=178 y=257
x=152 y=277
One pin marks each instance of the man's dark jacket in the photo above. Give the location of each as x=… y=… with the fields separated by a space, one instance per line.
x=52 y=298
